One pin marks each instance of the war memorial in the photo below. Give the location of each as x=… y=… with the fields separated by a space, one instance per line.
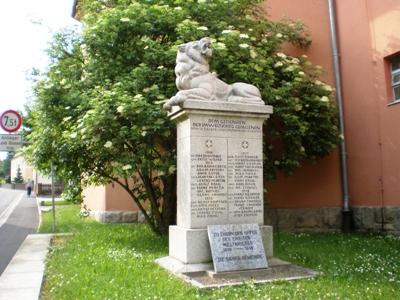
x=220 y=237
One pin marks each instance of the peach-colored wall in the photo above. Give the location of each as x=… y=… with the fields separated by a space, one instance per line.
x=368 y=31
x=384 y=18
x=372 y=133
x=94 y=197
x=118 y=199
x=313 y=185
x=110 y=197
x=361 y=108
x=314 y=14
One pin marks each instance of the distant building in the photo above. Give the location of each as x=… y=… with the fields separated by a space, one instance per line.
x=42 y=183
x=26 y=170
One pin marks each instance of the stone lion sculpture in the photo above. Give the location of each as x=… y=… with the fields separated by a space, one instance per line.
x=195 y=81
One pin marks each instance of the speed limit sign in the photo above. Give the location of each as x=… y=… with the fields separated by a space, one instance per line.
x=11 y=120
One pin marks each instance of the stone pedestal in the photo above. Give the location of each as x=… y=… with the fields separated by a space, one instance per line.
x=220 y=173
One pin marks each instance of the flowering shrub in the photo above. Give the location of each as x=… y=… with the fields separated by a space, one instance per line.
x=100 y=101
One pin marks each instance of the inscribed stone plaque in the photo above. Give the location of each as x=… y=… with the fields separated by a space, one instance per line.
x=226 y=126
x=245 y=181
x=220 y=176
x=236 y=247
x=208 y=181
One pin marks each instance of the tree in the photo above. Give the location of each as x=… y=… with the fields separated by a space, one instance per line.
x=18 y=177
x=100 y=101
x=6 y=167
x=2 y=174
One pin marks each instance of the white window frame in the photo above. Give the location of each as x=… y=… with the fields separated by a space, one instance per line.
x=394 y=84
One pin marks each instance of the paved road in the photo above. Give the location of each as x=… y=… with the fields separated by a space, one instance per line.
x=6 y=197
x=23 y=220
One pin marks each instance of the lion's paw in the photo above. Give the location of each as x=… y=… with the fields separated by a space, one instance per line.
x=167 y=106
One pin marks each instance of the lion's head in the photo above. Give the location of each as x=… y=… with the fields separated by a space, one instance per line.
x=192 y=61
x=199 y=51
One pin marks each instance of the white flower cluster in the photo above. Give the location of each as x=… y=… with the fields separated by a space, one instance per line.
x=219 y=45
x=281 y=55
x=325 y=86
x=227 y=31
x=120 y=109
x=324 y=99
x=126 y=167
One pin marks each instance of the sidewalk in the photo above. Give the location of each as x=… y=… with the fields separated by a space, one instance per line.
x=22 y=279
x=20 y=219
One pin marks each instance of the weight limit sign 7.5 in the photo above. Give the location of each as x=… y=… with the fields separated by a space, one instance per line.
x=11 y=120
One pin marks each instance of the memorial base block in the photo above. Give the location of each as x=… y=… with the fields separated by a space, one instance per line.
x=191 y=246
x=203 y=275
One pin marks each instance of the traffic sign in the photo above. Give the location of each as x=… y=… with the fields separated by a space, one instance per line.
x=10 y=142
x=11 y=120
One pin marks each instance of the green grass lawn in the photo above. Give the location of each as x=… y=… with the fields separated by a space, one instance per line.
x=117 y=262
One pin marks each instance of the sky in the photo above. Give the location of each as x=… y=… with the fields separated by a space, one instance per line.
x=26 y=28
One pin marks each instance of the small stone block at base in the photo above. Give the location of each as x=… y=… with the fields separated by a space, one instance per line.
x=268 y=240
x=190 y=246
x=177 y=267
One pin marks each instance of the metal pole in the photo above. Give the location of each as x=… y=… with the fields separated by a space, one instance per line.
x=53 y=227
x=347 y=214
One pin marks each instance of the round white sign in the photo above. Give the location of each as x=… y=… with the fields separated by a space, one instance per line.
x=11 y=120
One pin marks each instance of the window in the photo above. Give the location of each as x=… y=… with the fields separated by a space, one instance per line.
x=395 y=69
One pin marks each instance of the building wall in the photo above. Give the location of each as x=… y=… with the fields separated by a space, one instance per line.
x=26 y=170
x=94 y=198
x=361 y=108
x=371 y=134
x=110 y=204
x=118 y=198
x=368 y=33
x=40 y=178
x=312 y=185
x=385 y=40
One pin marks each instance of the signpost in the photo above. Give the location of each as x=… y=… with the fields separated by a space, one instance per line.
x=53 y=203
x=10 y=120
